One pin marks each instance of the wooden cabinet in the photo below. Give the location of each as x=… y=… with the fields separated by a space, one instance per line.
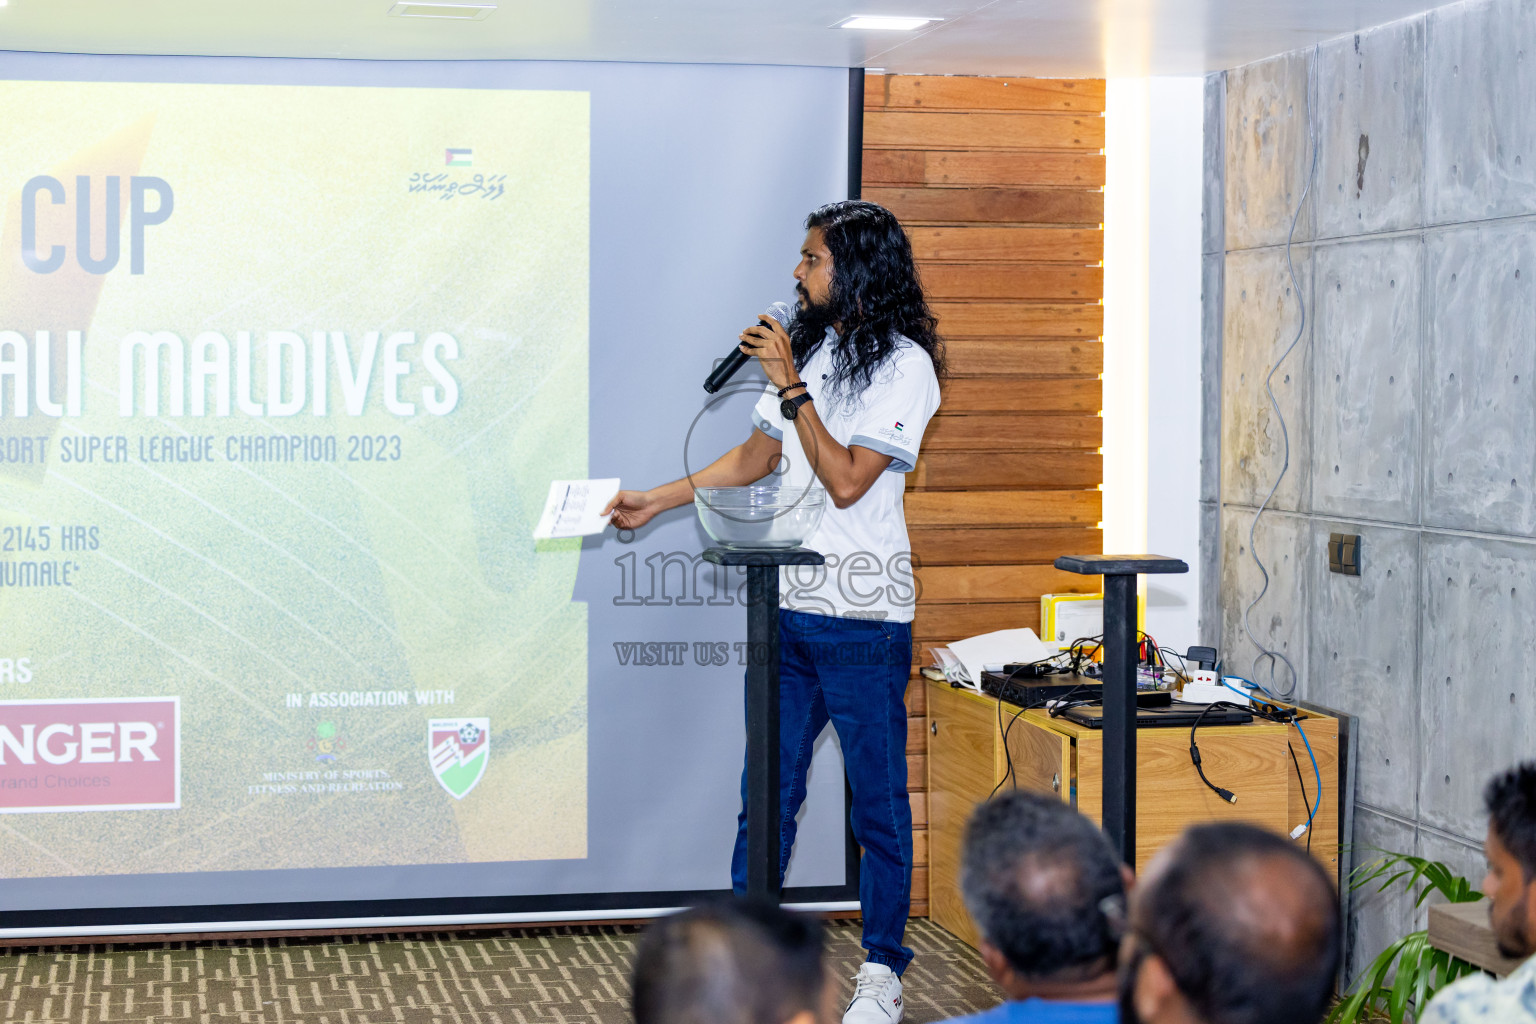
x=962 y=769
x=967 y=760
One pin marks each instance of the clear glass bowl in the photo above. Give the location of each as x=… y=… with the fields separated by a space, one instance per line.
x=761 y=516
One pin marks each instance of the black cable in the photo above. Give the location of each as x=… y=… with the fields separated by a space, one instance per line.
x=1194 y=753
x=1278 y=715
x=1077 y=662
x=1003 y=732
x=1004 y=735
x=1083 y=664
x=1009 y=774
x=1303 y=786
x=1182 y=672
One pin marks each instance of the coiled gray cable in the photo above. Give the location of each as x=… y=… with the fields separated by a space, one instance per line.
x=1269 y=654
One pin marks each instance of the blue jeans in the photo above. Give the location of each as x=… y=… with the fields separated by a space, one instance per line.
x=852 y=672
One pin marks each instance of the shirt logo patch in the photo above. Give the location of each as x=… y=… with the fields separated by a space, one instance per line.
x=898 y=424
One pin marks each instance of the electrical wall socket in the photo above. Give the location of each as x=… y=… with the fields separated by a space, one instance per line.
x=1203 y=675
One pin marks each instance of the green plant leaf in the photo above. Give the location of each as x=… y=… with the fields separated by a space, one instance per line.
x=1402 y=984
x=1419 y=875
x=1421 y=970
x=1426 y=974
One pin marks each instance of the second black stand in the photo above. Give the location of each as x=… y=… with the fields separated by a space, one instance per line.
x=1119 y=572
x=763 y=833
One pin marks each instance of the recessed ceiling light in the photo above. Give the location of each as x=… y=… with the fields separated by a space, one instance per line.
x=458 y=12
x=888 y=24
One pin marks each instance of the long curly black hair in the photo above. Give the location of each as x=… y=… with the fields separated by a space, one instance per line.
x=875 y=296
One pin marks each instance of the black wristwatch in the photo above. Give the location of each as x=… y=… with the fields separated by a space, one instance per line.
x=790 y=407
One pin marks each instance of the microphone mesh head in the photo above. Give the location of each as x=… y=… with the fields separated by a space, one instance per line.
x=783 y=312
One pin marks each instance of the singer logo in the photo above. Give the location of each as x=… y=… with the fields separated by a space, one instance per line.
x=90 y=755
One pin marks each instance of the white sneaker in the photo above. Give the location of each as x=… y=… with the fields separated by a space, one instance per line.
x=876 y=997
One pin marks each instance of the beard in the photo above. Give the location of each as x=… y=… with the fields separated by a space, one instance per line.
x=1510 y=933
x=809 y=327
x=814 y=314
x=1126 y=994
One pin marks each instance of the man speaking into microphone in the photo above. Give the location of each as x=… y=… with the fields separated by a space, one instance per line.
x=853 y=381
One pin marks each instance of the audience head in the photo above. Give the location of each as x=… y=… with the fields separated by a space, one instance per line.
x=1511 y=853
x=732 y=962
x=1034 y=873
x=1230 y=924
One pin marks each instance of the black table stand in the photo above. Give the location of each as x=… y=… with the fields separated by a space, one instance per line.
x=763 y=836
x=1119 y=572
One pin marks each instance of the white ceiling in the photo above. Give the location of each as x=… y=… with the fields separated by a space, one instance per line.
x=1080 y=38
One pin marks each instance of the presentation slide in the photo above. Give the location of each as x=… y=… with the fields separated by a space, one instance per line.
x=290 y=353
x=263 y=526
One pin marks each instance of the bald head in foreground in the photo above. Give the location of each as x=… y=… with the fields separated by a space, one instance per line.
x=1230 y=925
x=732 y=962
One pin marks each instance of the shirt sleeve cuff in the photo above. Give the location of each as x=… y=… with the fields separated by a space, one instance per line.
x=901 y=459
x=766 y=427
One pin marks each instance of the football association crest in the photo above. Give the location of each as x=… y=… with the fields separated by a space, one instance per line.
x=458 y=749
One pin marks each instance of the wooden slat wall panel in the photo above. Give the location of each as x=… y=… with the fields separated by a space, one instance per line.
x=957 y=93
x=943 y=281
x=974 y=131
x=917 y=729
x=970 y=584
x=1008 y=242
x=1007 y=431
x=917 y=695
x=1025 y=394
x=979 y=319
x=988 y=357
x=989 y=508
x=941 y=623
x=999 y=183
x=1064 y=168
x=1026 y=470
x=947 y=545
x=990 y=205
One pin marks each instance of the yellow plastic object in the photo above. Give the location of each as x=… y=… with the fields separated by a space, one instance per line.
x=1065 y=618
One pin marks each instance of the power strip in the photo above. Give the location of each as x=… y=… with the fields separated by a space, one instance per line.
x=1205 y=688
x=1208 y=693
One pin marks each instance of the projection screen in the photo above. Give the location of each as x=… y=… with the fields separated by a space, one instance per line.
x=290 y=352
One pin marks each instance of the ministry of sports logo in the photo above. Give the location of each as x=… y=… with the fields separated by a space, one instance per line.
x=458 y=749
x=326 y=743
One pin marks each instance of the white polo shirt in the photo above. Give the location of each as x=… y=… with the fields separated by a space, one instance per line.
x=869 y=558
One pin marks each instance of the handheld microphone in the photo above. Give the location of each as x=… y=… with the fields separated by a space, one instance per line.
x=783 y=312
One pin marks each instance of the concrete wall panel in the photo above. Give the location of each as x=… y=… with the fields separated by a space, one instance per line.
x=1461 y=855
x=1279 y=620
x=1371 y=111
x=1268 y=153
x=1210 y=575
x=1480 y=75
x=1419 y=391
x=1212 y=225
x=1476 y=702
x=1378 y=919
x=1365 y=408
x=1480 y=370
x=1211 y=268
x=1260 y=320
x=1363 y=656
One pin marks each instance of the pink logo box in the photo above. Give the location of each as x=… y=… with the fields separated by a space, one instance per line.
x=93 y=754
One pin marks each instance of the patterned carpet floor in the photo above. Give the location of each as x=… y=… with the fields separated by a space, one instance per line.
x=576 y=975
